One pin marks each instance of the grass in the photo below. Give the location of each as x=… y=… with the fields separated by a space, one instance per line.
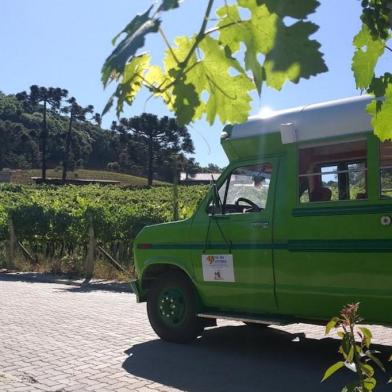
x=102 y=269
x=124 y=179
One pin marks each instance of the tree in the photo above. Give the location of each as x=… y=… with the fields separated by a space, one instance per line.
x=17 y=147
x=51 y=99
x=77 y=114
x=190 y=167
x=89 y=144
x=198 y=77
x=97 y=118
x=162 y=137
x=213 y=168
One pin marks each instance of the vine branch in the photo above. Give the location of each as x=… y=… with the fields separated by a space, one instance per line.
x=216 y=28
x=200 y=35
x=163 y=35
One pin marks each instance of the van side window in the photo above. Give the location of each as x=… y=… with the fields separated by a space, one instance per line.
x=333 y=172
x=245 y=190
x=386 y=169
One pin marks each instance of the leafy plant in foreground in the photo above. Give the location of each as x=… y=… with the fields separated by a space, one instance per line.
x=357 y=355
x=246 y=45
x=207 y=73
x=371 y=44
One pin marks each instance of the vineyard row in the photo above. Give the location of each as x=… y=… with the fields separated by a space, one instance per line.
x=54 y=221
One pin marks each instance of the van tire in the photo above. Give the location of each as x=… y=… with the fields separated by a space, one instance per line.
x=171 y=308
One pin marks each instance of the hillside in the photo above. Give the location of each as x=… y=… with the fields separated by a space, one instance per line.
x=90 y=146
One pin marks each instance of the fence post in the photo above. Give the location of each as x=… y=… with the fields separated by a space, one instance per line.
x=12 y=243
x=91 y=252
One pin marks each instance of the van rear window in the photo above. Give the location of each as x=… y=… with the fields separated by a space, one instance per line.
x=333 y=172
x=386 y=169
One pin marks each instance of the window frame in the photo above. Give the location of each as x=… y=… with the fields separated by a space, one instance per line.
x=379 y=169
x=330 y=142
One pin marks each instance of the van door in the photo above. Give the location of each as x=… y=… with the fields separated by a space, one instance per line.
x=233 y=247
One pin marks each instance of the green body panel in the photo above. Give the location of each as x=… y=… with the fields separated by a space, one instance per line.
x=169 y=247
x=305 y=261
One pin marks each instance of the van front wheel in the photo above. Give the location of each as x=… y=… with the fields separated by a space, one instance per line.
x=171 y=309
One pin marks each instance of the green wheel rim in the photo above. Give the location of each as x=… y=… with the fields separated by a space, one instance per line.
x=171 y=306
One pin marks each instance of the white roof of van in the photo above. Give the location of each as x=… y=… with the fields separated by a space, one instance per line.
x=316 y=121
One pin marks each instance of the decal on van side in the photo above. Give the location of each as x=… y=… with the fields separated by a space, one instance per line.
x=218 y=268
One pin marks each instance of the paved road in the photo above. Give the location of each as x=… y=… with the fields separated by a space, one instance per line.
x=57 y=337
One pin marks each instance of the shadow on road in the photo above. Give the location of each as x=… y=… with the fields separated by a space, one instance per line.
x=74 y=285
x=241 y=358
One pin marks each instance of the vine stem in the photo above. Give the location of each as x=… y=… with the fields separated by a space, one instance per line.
x=357 y=358
x=201 y=34
x=163 y=35
x=210 y=31
x=199 y=37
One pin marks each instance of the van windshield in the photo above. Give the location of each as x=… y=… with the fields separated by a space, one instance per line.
x=246 y=189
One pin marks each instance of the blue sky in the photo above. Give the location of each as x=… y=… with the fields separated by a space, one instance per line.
x=64 y=43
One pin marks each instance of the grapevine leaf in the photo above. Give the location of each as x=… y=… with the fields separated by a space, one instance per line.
x=108 y=105
x=228 y=94
x=367 y=335
x=218 y=76
x=380 y=84
x=369 y=383
x=367 y=369
x=381 y=113
x=136 y=32
x=186 y=100
x=298 y=9
x=134 y=24
x=209 y=80
x=368 y=50
x=131 y=82
x=294 y=55
x=158 y=82
x=183 y=96
x=346 y=347
x=332 y=369
x=257 y=34
x=331 y=324
x=370 y=355
x=168 y=5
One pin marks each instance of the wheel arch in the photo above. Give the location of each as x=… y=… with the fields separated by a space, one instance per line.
x=158 y=268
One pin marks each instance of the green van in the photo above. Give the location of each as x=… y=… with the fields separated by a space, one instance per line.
x=298 y=225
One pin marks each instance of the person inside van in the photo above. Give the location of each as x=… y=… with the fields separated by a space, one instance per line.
x=258 y=181
x=320 y=193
